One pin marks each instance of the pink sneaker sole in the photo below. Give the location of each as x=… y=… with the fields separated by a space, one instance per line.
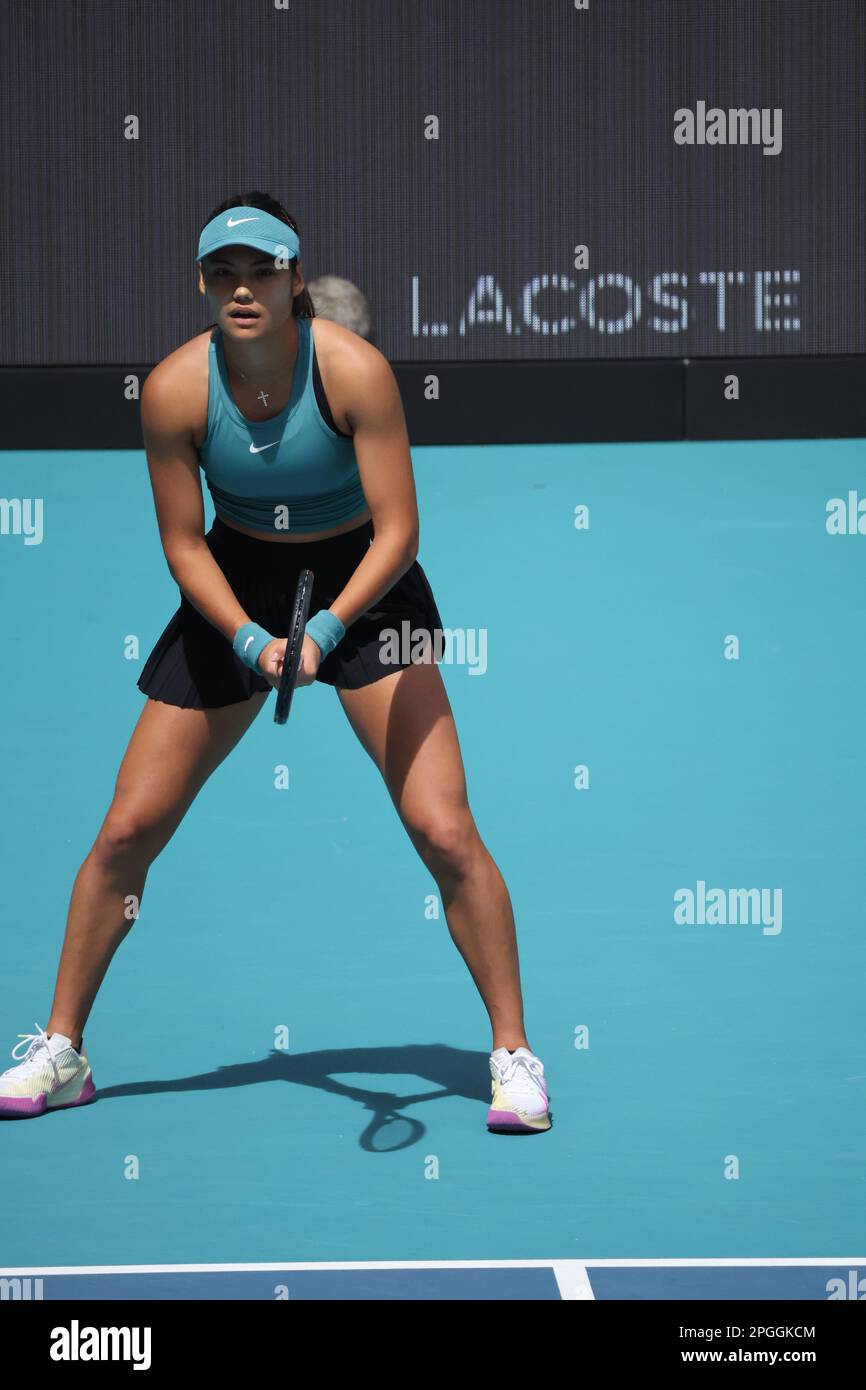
x=507 y=1122
x=23 y=1107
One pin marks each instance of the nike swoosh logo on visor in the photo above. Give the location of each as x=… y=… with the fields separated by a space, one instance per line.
x=236 y=222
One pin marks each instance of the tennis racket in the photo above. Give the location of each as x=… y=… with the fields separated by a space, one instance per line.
x=292 y=658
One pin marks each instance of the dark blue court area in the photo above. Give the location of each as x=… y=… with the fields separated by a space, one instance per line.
x=569 y=1280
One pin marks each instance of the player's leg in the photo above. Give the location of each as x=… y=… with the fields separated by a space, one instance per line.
x=170 y=756
x=405 y=723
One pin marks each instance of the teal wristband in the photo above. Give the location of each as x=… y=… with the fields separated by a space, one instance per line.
x=249 y=643
x=326 y=631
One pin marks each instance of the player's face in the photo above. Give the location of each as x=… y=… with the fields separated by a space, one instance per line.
x=247 y=292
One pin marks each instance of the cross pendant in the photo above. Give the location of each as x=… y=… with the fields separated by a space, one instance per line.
x=262 y=397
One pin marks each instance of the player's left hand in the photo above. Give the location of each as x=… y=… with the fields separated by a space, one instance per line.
x=311 y=656
x=273 y=655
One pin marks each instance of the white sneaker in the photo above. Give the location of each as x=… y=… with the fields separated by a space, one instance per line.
x=520 y=1102
x=50 y=1076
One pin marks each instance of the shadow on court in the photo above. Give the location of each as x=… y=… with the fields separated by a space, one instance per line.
x=454 y=1071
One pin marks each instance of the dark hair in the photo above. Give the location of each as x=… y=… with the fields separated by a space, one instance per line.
x=302 y=307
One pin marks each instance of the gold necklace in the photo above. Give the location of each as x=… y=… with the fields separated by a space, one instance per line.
x=263 y=394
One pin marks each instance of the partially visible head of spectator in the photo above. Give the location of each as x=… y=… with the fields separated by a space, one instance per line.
x=340 y=300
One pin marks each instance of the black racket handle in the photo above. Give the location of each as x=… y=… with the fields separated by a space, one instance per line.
x=294 y=645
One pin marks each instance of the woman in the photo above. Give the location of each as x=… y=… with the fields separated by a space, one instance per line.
x=299 y=428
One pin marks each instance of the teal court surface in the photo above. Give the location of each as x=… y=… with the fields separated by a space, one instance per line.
x=661 y=718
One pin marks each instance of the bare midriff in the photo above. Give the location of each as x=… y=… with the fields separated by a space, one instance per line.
x=351 y=524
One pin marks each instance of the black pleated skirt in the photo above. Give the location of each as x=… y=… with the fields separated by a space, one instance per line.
x=193 y=665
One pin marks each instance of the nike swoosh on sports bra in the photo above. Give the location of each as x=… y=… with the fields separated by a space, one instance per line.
x=297 y=459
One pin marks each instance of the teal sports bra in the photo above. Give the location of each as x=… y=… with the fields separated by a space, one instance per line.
x=298 y=460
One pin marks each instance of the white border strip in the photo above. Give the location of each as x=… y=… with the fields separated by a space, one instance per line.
x=569 y=1270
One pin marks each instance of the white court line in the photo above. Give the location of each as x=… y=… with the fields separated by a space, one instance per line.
x=572 y=1281
x=570 y=1267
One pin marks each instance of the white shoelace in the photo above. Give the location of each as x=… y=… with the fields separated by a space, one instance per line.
x=520 y=1074
x=33 y=1058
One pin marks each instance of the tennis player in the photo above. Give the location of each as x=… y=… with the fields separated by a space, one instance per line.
x=298 y=426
